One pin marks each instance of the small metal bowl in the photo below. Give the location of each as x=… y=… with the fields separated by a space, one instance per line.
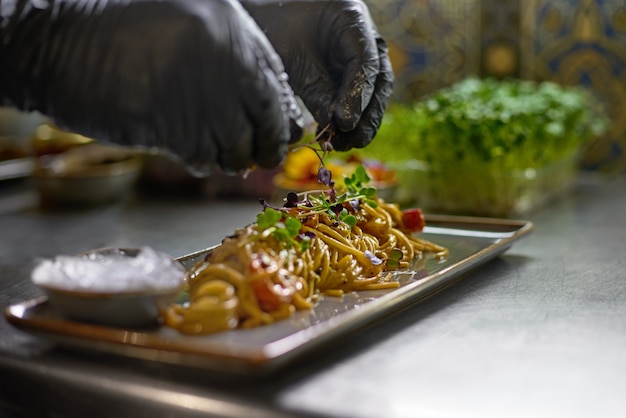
x=126 y=304
x=87 y=175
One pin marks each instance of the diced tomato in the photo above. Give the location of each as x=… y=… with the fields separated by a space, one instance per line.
x=270 y=295
x=413 y=219
x=268 y=300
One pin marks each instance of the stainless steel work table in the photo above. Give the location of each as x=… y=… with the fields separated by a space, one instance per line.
x=538 y=332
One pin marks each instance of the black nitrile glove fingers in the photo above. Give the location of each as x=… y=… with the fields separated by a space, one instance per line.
x=257 y=130
x=336 y=61
x=195 y=79
x=356 y=62
x=271 y=139
x=372 y=116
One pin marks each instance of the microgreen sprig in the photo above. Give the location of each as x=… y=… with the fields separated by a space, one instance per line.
x=283 y=228
x=357 y=187
x=285 y=224
x=340 y=206
x=321 y=144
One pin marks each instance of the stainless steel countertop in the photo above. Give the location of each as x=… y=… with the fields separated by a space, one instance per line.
x=539 y=331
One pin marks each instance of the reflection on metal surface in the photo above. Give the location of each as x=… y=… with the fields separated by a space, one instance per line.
x=468 y=233
x=13 y=169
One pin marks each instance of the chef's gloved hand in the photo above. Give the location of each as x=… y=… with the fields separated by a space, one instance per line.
x=195 y=79
x=336 y=60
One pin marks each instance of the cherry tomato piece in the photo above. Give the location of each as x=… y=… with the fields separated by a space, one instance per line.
x=413 y=219
x=270 y=295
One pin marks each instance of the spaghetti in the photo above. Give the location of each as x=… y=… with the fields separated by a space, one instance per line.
x=318 y=245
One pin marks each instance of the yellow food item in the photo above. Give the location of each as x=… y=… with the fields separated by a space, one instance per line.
x=301 y=167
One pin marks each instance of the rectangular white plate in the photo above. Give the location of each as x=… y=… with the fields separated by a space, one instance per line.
x=471 y=242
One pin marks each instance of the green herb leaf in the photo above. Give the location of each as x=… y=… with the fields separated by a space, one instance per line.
x=350 y=220
x=268 y=218
x=293 y=226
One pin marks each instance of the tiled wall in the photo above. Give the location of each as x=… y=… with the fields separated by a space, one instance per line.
x=435 y=43
x=582 y=42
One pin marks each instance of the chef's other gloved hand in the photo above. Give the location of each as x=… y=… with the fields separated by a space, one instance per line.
x=195 y=79
x=336 y=60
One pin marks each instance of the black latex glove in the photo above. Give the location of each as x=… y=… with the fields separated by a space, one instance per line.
x=196 y=79
x=336 y=60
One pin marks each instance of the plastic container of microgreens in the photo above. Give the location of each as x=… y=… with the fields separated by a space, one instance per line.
x=488 y=147
x=490 y=190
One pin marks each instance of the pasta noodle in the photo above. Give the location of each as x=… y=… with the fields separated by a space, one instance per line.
x=262 y=274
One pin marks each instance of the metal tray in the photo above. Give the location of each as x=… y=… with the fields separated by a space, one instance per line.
x=471 y=242
x=17 y=168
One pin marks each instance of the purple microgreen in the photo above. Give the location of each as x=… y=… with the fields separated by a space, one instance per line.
x=326 y=145
x=324 y=176
x=332 y=193
x=293 y=197
x=373 y=258
x=337 y=208
x=292 y=200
